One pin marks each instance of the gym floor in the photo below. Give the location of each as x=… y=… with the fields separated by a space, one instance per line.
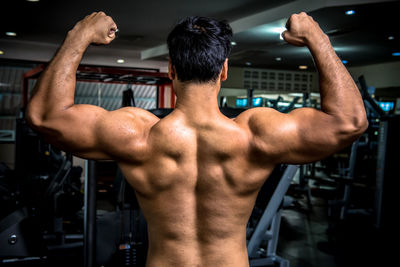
x=308 y=237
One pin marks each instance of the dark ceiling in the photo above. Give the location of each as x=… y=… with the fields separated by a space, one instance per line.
x=360 y=39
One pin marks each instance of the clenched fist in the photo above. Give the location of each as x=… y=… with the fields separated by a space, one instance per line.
x=302 y=30
x=97 y=28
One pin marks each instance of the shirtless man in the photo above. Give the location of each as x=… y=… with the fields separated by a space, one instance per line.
x=196 y=172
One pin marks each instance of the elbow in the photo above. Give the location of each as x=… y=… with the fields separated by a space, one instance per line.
x=360 y=123
x=33 y=118
x=33 y=121
x=364 y=125
x=353 y=129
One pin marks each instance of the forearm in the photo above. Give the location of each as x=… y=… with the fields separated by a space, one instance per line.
x=55 y=89
x=340 y=96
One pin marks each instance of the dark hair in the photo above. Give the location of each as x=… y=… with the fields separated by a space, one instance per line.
x=198 y=47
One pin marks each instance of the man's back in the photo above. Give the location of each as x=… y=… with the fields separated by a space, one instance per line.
x=197 y=185
x=197 y=173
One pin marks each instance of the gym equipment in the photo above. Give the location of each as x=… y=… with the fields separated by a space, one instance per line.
x=306 y=172
x=250 y=94
x=368 y=100
x=267 y=228
x=89 y=253
x=373 y=147
x=13 y=236
x=387 y=181
x=291 y=105
x=105 y=75
x=346 y=177
x=128 y=98
x=387 y=146
x=47 y=194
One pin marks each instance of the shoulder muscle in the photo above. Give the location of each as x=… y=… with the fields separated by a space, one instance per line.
x=123 y=133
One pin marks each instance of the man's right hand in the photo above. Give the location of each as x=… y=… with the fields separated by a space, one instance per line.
x=97 y=28
x=302 y=30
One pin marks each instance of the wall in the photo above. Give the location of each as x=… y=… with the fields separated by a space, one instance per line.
x=235 y=78
x=379 y=75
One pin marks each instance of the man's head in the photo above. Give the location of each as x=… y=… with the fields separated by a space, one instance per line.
x=198 y=48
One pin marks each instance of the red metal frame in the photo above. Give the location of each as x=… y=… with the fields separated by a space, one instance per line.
x=172 y=98
x=35 y=73
x=25 y=80
x=161 y=95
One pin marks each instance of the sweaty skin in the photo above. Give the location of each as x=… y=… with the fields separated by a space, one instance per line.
x=196 y=172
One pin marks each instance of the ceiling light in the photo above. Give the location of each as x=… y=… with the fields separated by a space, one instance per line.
x=32 y=0
x=391 y=38
x=350 y=12
x=1 y=52
x=233 y=43
x=396 y=54
x=279 y=30
x=344 y=61
x=278 y=59
x=272 y=29
x=248 y=63
x=11 y=34
x=120 y=61
x=303 y=67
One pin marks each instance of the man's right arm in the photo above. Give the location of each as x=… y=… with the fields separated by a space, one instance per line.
x=306 y=134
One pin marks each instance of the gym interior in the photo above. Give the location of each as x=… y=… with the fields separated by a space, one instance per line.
x=57 y=209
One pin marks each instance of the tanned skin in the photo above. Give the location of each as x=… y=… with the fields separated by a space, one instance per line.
x=196 y=172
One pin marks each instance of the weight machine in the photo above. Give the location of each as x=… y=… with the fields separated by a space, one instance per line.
x=267 y=228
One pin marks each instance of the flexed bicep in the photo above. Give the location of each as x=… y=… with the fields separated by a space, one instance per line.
x=315 y=136
x=302 y=136
x=74 y=130
x=94 y=133
x=84 y=130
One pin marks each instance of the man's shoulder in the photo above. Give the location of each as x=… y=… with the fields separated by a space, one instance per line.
x=266 y=124
x=136 y=114
x=253 y=115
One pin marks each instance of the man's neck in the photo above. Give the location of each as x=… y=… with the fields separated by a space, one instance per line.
x=197 y=100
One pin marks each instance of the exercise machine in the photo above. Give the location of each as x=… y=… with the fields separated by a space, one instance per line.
x=46 y=194
x=267 y=228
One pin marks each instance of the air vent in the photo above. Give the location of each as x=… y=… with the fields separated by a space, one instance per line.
x=277 y=80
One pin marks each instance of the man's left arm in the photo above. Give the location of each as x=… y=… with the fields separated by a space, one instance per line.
x=87 y=131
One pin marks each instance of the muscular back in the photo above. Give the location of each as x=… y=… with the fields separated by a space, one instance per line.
x=197 y=173
x=197 y=184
